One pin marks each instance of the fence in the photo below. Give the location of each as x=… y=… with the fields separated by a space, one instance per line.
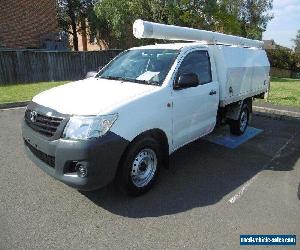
x=21 y=66
x=276 y=72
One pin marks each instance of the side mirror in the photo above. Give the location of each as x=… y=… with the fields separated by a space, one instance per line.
x=91 y=74
x=186 y=81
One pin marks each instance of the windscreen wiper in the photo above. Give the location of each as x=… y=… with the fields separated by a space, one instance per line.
x=113 y=78
x=146 y=82
x=130 y=80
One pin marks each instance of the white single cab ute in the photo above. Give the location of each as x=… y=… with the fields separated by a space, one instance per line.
x=146 y=103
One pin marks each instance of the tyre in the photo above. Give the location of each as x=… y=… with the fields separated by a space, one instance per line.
x=238 y=127
x=139 y=168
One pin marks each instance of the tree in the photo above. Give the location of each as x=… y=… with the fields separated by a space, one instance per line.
x=117 y=17
x=76 y=16
x=246 y=18
x=254 y=17
x=281 y=57
x=297 y=43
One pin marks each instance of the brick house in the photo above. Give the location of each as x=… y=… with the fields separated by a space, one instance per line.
x=269 y=44
x=24 y=23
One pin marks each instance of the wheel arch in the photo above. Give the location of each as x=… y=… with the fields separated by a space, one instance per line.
x=233 y=110
x=158 y=135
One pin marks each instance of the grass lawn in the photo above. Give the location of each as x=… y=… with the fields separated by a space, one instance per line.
x=285 y=92
x=23 y=92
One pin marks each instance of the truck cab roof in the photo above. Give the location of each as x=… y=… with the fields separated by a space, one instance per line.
x=176 y=46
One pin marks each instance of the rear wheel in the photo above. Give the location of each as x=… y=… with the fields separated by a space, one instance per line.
x=139 y=168
x=238 y=127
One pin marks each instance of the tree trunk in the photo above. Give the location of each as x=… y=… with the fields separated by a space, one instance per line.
x=83 y=33
x=72 y=16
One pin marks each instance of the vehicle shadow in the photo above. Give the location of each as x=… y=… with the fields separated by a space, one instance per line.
x=202 y=174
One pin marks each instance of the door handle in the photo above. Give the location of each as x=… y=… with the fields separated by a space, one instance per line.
x=212 y=92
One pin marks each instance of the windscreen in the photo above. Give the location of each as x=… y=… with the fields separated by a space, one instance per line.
x=146 y=66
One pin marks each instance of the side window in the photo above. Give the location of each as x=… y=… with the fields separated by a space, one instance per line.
x=197 y=62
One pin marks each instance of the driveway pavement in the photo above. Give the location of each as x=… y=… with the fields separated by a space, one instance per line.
x=209 y=197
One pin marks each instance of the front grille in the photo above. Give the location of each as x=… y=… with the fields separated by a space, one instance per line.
x=46 y=125
x=48 y=159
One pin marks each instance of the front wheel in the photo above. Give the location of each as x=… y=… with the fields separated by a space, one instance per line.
x=139 y=168
x=238 y=127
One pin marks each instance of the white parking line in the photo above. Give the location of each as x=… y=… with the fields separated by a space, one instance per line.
x=243 y=189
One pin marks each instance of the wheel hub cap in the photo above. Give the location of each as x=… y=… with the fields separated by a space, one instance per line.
x=244 y=121
x=143 y=167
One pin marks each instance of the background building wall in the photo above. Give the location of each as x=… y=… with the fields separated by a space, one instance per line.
x=90 y=46
x=23 y=23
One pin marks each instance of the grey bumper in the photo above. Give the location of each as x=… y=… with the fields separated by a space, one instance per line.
x=101 y=156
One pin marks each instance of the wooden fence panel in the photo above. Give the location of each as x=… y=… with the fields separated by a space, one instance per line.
x=276 y=72
x=21 y=66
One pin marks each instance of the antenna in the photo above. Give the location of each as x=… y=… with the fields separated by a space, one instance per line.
x=144 y=29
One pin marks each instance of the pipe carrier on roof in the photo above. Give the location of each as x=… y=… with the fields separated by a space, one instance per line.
x=144 y=29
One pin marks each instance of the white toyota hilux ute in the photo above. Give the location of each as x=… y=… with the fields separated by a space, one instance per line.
x=146 y=103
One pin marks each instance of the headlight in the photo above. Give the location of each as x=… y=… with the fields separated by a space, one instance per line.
x=87 y=127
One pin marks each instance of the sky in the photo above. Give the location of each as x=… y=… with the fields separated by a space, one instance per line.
x=283 y=27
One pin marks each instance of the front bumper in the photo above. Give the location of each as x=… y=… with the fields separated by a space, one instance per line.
x=101 y=156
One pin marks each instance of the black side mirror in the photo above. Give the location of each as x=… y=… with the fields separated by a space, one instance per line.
x=186 y=81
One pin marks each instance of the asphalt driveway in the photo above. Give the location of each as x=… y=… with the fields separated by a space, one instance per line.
x=209 y=196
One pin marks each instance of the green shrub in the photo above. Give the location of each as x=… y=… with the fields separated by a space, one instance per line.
x=284 y=58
